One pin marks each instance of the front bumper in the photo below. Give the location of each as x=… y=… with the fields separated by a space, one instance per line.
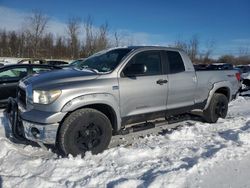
x=30 y=129
x=39 y=132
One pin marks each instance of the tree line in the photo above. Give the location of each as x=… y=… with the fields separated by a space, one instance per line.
x=35 y=41
x=192 y=48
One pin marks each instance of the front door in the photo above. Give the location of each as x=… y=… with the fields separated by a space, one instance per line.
x=142 y=85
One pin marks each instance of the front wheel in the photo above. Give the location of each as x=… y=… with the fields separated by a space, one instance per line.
x=218 y=107
x=84 y=130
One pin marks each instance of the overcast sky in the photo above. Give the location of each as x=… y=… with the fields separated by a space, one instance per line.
x=226 y=22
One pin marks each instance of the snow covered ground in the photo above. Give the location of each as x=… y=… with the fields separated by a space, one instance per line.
x=195 y=154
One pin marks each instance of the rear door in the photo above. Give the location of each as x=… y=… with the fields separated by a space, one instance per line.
x=181 y=82
x=147 y=92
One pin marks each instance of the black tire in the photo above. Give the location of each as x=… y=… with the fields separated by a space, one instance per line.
x=246 y=82
x=84 y=130
x=218 y=107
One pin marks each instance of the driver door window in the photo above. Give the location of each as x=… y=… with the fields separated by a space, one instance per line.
x=144 y=64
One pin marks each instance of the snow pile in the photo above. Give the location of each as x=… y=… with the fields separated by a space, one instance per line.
x=178 y=158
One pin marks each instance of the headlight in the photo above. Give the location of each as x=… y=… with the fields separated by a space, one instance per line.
x=45 y=97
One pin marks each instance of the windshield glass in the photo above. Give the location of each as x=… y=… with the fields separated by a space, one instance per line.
x=76 y=63
x=105 y=61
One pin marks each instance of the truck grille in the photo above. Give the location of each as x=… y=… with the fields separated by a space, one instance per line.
x=21 y=96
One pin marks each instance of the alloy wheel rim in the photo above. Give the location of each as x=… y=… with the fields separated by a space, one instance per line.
x=220 y=109
x=88 y=137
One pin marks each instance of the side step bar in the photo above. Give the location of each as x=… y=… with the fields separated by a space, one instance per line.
x=150 y=125
x=137 y=128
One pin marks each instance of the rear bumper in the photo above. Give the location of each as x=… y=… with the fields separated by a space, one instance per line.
x=30 y=129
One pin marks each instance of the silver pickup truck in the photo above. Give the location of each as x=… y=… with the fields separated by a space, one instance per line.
x=79 y=110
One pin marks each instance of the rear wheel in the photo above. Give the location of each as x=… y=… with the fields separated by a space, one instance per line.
x=218 y=107
x=84 y=130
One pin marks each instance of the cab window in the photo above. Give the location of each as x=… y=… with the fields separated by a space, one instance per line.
x=15 y=73
x=144 y=64
x=175 y=61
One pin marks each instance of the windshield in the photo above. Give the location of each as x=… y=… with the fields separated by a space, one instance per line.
x=76 y=63
x=105 y=61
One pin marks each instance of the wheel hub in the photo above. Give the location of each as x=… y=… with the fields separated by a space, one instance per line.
x=88 y=137
x=220 y=109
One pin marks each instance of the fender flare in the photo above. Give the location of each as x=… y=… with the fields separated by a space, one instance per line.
x=216 y=86
x=92 y=99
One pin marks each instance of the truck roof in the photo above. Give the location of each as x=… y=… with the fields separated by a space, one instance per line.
x=150 y=47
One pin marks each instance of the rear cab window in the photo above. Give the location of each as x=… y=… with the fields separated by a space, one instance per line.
x=175 y=62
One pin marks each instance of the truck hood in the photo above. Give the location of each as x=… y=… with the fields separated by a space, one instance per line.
x=62 y=77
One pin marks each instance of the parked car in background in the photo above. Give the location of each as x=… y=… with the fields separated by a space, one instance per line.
x=11 y=74
x=42 y=62
x=245 y=74
x=56 y=62
x=200 y=66
x=32 y=61
x=220 y=66
x=9 y=60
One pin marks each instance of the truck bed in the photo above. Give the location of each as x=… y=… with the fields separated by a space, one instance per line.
x=206 y=78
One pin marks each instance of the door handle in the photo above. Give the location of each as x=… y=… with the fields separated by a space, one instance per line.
x=161 y=82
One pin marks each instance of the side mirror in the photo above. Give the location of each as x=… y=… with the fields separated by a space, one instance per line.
x=134 y=70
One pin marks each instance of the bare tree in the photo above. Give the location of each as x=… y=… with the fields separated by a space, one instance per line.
x=117 y=39
x=209 y=49
x=102 y=41
x=73 y=30
x=21 y=45
x=244 y=51
x=227 y=59
x=47 y=45
x=243 y=60
x=35 y=29
x=96 y=39
x=181 y=45
x=88 y=48
x=13 y=43
x=60 y=48
x=3 y=43
x=193 y=47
